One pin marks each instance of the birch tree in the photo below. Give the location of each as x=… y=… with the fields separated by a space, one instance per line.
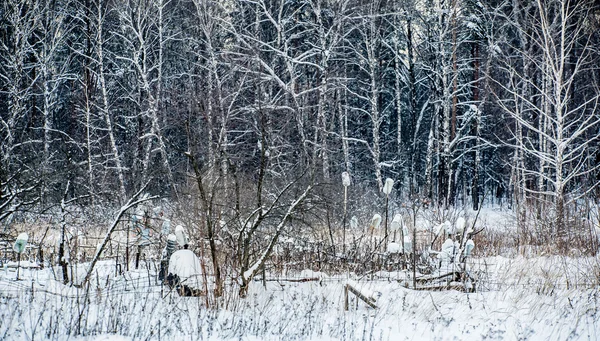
x=53 y=59
x=17 y=84
x=99 y=99
x=555 y=113
x=366 y=48
x=144 y=32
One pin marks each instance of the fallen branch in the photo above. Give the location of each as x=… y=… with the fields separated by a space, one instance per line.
x=440 y=287
x=440 y=276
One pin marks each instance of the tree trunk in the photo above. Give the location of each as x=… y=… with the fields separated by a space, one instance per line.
x=207 y=206
x=475 y=128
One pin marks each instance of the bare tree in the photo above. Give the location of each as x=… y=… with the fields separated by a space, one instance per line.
x=144 y=32
x=135 y=200
x=250 y=226
x=96 y=80
x=367 y=53
x=555 y=126
x=17 y=83
x=53 y=61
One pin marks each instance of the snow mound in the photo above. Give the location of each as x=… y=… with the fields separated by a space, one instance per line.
x=186 y=265
x=307 y=273
x=393 y=248
x=23 y=264
x=364 y=290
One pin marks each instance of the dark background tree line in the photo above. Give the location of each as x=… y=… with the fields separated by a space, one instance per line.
x=228 y=102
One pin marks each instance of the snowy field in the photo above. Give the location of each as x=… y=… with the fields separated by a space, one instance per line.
x=544 y=298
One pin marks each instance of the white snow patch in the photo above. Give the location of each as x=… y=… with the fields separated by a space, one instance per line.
x=393 y=248
x=107 y=337
x=307 y=273
x=364 y=290
x=543 y=298
x=186 y=265
x=23 y=264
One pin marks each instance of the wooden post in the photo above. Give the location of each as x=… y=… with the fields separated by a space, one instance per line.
x=344 y=222
x=346 y=297
x=385 y=226
x=137 y=256
x=18 y=264
x=127 y=249
x=414 y=250
x=117 y=262
x=368 y=300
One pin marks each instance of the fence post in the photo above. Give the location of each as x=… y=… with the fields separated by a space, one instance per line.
x=346 y=297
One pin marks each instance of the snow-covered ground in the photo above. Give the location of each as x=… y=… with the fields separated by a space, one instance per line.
x=544 y=298
x=517 y=298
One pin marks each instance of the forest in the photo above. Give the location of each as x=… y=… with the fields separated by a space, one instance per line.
x=242 y=115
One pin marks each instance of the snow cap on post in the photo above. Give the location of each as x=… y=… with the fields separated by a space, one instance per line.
x=354 y=223
x=181 y=236
x=376 y=221
x=141 y=210
x=21 y=242
x=166 y=227
x=396 y=223
x=393 y=248
x=407 y=244
x=346 y=179
x=448 y=228
x=170 y=247
x=469 y=246
x=438 y=229
x=448 y=247
x=460 y=224
x=387 y=188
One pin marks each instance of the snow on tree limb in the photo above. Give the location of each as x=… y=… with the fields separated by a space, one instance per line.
x=252 y=270
x=133 y=201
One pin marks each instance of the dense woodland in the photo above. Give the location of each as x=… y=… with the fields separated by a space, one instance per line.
x=246 y=112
